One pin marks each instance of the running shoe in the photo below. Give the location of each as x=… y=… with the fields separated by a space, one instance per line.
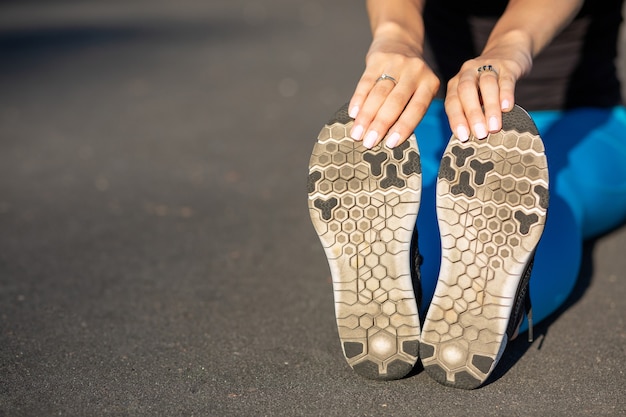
x=363 y=204
x=492 y=200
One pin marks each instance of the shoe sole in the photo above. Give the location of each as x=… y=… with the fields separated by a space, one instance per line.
x=363 y=204
x=492 y=199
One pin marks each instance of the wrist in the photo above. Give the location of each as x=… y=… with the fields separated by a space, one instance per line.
x=514 y=45
x=392 y=37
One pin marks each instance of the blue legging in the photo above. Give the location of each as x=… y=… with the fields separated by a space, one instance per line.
x=586 y=150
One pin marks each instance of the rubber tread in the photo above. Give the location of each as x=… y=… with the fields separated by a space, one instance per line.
x=363 y=205
x=492 y=199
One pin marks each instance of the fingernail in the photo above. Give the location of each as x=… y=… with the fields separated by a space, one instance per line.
x=353 y=112
x=493 y=124
x=505 y=104
x=480 y=130
x=393 y=140
x=462 y=133
x=357 y=132
x=370 y=139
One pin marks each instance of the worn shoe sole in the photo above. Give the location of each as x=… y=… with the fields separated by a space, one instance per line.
x=492 y=198
x=363 y=204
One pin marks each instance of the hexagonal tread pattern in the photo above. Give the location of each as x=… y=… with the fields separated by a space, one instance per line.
x=492 y=198
x=363 y=204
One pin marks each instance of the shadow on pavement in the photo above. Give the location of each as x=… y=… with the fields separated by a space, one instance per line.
x=518 y=347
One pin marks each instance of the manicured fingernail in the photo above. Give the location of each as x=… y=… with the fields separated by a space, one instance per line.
x=370 y=139
x=462 y=133
x=393 y=140
x=493 y=124
x=481 y=131
x=505 y=105
x=357 y=132
x=354 y=111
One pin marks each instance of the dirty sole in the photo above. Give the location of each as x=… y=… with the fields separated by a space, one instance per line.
x=363 y=204
x=492 y=198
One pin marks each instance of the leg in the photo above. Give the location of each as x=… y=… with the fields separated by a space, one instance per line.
x=587 y=161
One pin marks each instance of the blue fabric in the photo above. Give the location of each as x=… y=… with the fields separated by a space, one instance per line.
x=586 y=150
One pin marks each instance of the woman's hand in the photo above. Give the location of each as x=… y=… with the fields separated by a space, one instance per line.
x=390 y=109
x=475 y=100
x=482 y=90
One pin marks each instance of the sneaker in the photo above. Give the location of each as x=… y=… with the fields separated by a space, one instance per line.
x=363 y=204
x=492 y=199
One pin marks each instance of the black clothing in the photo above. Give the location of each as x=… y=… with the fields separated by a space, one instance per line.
x=577 y=69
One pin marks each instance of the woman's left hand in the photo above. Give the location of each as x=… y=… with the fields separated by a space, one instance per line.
x=482 y=90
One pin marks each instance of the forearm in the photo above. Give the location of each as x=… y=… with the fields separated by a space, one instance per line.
x=399 y=22
x=528 y=26
x=390 y=109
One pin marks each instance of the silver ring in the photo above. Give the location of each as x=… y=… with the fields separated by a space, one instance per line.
x=387 y=77
x=486 y=68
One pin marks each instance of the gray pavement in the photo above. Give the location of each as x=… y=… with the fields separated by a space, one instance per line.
x=156 y=255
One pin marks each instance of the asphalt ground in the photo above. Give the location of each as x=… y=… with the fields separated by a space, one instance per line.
x=156 y=254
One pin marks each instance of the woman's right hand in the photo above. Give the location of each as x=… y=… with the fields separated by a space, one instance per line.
x=383 y=109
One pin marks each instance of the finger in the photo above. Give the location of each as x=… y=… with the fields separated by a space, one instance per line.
x=363 y=87
x=470 y=101
x=411 y=116
x=490 y=94
x=369 y=110
x=507 y=92
x=456 y=116
x=394 y=106
x=463 y=106
x=387 y=115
